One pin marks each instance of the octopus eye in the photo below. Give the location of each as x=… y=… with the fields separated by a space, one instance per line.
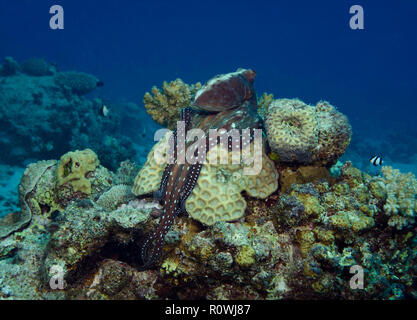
x=77 y=164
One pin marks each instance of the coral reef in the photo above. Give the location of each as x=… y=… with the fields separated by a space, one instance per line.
x=164 y=107
x=263 y=103
x=300 y=243
x=43 y=115
x=299 y=133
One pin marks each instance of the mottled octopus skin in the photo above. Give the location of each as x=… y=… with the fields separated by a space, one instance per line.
x=179 y=179
x=226 y=91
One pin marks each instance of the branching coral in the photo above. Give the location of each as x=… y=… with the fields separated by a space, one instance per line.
x=299 y=133
x=164 y=107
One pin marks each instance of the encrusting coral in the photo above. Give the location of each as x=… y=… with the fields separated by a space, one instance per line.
x=303 y=134
x=164 y=107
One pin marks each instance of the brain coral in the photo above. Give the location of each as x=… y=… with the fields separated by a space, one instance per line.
x=115 y=197
x=72 y=174
x=164 y=107
x=306 y=134
x=217 y=194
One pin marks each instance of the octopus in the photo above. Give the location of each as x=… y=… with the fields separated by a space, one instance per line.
x=226 y=102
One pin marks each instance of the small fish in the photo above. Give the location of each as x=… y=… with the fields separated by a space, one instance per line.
x=104 y=111
x=376 y=161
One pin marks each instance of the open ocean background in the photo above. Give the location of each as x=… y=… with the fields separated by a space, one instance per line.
x=302 y=49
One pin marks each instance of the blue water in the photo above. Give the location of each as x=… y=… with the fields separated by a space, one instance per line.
x=302 y=49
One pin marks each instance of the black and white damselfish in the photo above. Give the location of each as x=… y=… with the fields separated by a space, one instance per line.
x=376 y=161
